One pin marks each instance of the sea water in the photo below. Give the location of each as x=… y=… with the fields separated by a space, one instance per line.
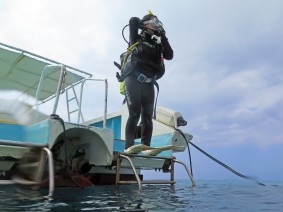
x=207 y=195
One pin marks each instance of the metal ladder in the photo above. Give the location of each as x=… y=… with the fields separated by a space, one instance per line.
x=70 y=99
x=128 y=157
x=49 y=155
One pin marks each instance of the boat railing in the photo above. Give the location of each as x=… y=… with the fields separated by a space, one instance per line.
x=61 y=89
x=44 y=72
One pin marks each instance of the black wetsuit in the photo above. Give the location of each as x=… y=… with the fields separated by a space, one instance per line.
x=140 y=96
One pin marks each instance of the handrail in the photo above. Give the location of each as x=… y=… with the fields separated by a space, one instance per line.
x=39 y=87
x=134 y=170
x=25 y=182
x=187 y=169
x=61 y=80
x=51 y=171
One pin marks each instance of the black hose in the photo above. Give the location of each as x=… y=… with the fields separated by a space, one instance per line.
x=219 y=162
x=189 y=151
x=123 y=34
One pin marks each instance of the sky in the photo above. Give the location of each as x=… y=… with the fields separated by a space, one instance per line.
x=226 y=76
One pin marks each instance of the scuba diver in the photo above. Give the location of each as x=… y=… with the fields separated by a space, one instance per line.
x=147 y=66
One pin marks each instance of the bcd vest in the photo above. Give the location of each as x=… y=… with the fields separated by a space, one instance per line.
x=129 y=61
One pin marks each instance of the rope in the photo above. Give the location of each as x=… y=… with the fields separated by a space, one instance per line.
x=219 y=162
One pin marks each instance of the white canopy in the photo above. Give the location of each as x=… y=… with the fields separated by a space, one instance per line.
x=21 y=70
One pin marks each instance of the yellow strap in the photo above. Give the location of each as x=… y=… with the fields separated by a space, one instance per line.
x=149 y=12
x=122 y=84
x=122 y=88
x=132 y=46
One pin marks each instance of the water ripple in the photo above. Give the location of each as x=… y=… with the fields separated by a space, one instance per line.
x=206 y=196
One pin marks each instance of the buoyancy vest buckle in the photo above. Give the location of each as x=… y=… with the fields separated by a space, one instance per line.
x=143 y=79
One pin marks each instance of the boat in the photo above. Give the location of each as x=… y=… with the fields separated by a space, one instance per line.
x=40 y=149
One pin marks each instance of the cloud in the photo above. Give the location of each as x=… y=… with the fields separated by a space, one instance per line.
x=226 y=76
x=58 y=30
x=241 y=107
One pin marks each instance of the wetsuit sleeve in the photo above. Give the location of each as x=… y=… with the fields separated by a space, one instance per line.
x=134 y=25
x=167 y=50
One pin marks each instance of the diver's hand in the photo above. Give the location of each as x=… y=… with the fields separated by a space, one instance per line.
x=156 y=39
x=162 y=34
x=161 y=31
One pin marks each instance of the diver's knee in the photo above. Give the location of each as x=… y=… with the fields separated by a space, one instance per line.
x=147 y=122
x=134 y=117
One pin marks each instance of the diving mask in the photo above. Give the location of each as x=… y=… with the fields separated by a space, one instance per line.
x=155 y=21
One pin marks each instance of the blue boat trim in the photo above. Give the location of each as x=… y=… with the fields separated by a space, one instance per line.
x=37 y=133
x=111 y=123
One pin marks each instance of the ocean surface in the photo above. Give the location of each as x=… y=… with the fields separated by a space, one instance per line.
x=236 y=195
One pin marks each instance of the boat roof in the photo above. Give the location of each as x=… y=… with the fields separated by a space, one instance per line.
x=20 y=70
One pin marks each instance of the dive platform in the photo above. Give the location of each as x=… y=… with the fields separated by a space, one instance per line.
x=136 y=161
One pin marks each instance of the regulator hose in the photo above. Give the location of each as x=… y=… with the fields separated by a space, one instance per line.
x=123 y=34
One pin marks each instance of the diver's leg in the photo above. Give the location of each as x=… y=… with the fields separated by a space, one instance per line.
x=133 y=98
x=147 y=111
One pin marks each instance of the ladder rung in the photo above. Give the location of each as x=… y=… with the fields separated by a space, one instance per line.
x=147 y=182
x=74 y=111
x=71 y=99
x=7 y=182
x=158 y=182
x=25 y=182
